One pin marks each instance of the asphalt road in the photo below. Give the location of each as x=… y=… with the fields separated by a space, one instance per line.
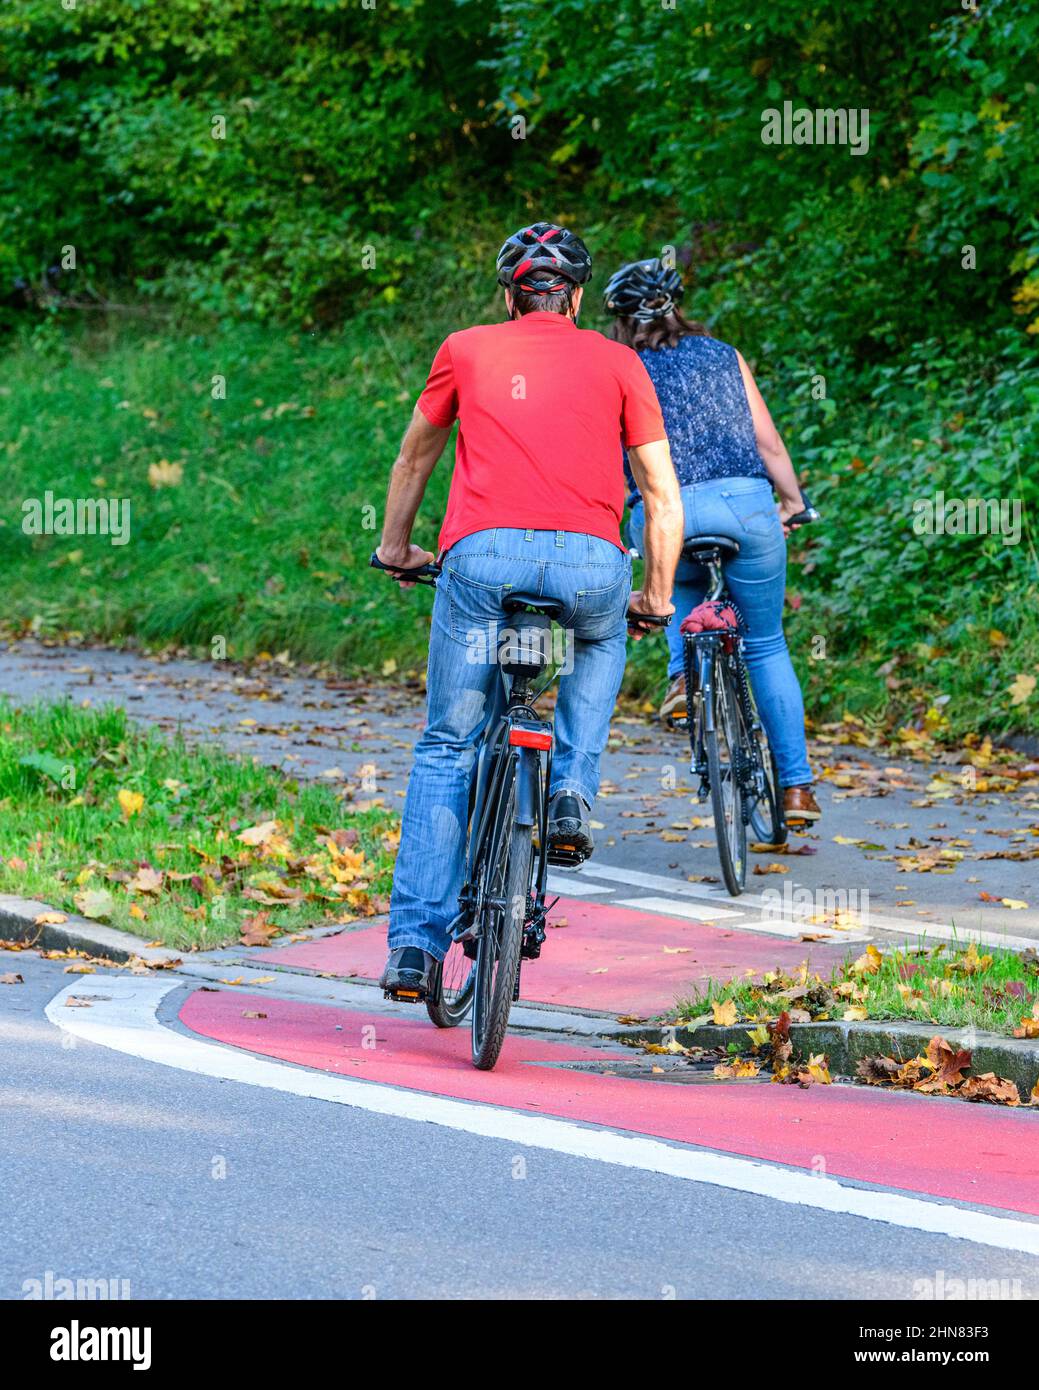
x=189 y=1187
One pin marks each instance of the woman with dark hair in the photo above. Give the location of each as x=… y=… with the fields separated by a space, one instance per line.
x=729 y=457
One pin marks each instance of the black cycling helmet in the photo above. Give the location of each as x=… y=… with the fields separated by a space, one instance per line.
x=643 y=290
x=543 y=259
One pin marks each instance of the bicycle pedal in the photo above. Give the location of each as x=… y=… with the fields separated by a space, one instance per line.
x=405 y=996
x=566 y=856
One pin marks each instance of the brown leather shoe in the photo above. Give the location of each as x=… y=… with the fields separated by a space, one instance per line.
x=674 y=706
x=800 y=804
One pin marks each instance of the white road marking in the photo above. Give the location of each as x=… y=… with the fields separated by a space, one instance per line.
x=124 y=1019
x=755 y=903
x=635 y=878
x=768 y=926
x=676 y=907
x=570 y=886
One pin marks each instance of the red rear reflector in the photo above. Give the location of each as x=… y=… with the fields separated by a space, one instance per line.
x=530 y=738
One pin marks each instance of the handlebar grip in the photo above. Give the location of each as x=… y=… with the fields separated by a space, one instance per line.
x=424 y=574
x=806 y=516
x=645 y=622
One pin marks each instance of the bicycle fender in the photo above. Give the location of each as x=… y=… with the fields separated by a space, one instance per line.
x=526 y=787
x=705 y=675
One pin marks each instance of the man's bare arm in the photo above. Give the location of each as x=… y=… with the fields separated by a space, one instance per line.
x=420 y=448
x=662 y=543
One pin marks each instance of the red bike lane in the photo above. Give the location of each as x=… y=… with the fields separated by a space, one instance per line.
x=942 y=1148
x=598 y=956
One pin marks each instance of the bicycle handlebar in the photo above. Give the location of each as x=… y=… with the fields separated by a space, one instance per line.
x=424 y=574
x=805 y=517
x=646 y=622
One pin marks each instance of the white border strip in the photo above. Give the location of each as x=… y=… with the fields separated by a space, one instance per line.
x=122 y=1017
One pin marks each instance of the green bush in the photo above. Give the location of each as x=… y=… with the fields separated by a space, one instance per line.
x=364 y=149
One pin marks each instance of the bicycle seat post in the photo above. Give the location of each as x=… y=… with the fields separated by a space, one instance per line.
x=714 y=569
x=710 y=551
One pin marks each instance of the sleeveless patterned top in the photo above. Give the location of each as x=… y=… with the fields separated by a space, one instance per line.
x=706 y=412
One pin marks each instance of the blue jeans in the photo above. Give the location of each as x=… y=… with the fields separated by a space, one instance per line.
x=465 y=691
x=743 y=509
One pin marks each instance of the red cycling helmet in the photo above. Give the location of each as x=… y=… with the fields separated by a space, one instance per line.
x=543 y=259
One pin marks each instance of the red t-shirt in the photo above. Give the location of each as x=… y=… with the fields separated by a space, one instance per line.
x=542 y=408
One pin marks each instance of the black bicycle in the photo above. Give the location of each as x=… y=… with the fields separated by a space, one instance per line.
x=501 y=908
x=731 y=753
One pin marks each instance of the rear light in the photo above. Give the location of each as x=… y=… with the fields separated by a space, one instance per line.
x=530 y=738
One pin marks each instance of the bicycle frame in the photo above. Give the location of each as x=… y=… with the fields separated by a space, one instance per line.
x=519 y=750
x=703 y=650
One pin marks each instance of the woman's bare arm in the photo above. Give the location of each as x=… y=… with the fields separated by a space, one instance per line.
x=771 y=448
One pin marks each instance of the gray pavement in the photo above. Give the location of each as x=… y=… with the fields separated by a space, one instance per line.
x=188 y=1187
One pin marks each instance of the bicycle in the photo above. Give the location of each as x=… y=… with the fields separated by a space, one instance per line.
x=501 y=907
x=731 y=753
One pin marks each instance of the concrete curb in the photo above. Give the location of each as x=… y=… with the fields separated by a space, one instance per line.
x=845 y=1044
x=18 y=923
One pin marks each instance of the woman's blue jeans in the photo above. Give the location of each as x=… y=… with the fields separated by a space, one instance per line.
x=465 y=691
x=743 y=509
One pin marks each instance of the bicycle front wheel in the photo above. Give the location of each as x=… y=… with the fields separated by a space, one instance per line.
x=500 y=941
x=722 y=744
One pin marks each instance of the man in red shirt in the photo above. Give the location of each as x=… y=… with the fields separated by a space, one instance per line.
x=535 y=506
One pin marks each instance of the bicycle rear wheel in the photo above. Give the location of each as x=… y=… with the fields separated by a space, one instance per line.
x=722 y=744
x=766 y=817
x=503 y=909
x=764 y=795
x=451 y=993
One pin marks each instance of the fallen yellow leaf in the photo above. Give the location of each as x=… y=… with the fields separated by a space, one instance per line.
x=1021 y=688
x=724 y=1012
x=132 y=803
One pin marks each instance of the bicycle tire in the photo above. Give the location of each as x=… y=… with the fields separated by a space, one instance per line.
x=722 y=746
x=766 y=817
x=453 y=979
x=451 y=994
x=766 y=811
x=498 y=948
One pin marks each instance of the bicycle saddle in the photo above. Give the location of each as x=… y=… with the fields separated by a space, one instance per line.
x=699 y=548
x=550 y=607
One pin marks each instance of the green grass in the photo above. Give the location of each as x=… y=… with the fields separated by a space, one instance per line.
x=65 y=832
x=259 y=539
x=945 y=985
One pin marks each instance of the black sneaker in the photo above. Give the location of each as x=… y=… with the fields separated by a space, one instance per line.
x=569 y=834
x=406 y=975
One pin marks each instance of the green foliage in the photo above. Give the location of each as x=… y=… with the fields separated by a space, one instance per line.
x=371 y=160
x=360 y=146
x=264 y=540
